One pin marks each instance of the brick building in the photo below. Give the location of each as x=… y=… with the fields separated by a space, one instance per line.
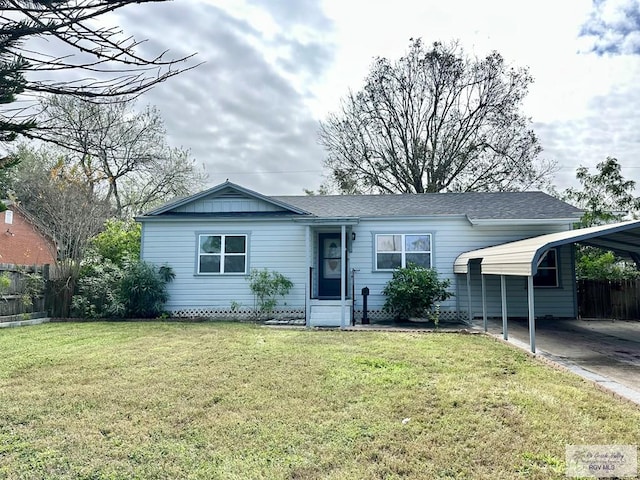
x=20 y=242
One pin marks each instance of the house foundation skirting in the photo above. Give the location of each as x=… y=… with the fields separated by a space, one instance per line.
x=238 y=314
x=249 y=314
x=381 y=315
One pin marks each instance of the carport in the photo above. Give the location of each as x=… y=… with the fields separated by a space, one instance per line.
x=523 y=257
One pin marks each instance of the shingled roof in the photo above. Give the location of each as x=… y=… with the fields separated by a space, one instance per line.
x=475 y=205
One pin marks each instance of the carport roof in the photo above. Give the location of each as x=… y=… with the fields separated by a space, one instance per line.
x=521 y=257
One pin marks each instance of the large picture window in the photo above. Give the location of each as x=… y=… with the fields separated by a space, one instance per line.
x=400 y=249
x=547 y=275
x=222 y=254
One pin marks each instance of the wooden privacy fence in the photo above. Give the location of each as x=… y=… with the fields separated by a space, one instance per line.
x=618 y=299
x=22 y=290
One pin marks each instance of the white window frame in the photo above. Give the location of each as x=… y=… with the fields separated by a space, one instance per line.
x=403 y=251
x=222 y=254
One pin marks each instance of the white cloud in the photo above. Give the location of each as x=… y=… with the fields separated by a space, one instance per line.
x=274 y=69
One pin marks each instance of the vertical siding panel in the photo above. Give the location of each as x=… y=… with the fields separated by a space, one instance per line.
x=227 y=205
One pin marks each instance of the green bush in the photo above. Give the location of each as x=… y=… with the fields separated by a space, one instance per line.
x=119 y=241
x=32 y=287
x=97 y=291
x=5 y=283
x=413 y=292
x=143 y=289
x=106 y=290
x=266 y=287
x=595 y=264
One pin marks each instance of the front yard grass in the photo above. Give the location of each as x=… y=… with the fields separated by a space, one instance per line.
x=236 y=401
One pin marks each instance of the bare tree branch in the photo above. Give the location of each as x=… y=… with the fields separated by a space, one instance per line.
x=107 y=63
x=122 y=153
x=434 y=121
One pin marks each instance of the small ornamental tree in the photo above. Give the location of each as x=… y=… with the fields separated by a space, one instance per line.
x=266 y=287
x=413 y=292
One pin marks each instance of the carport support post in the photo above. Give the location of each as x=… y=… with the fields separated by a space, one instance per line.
x=343 y=270
x=469 y=314
x=309 y=285
x=503 y=293
x=484 y=303
x=532 y=318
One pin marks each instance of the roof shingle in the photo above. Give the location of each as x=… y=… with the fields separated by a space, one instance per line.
x=475 y=205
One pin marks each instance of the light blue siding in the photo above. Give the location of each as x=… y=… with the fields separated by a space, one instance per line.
x=450 y=238
x=276 y=246
x=228 y=204
x=552 y=301
x=280 y=246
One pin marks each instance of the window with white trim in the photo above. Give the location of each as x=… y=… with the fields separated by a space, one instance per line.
x=220 y=254
x=400 y=249
x=547 y=275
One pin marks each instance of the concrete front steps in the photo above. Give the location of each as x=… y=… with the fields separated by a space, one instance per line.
x=328 y=313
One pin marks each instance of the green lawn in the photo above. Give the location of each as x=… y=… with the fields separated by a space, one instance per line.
x=235 y=401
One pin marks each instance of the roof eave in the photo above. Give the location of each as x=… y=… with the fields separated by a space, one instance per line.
x=214 y=218
x=315 y=220
x=251 y=193
x=487 y=222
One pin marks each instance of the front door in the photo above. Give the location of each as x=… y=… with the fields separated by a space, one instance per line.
x=330 y=267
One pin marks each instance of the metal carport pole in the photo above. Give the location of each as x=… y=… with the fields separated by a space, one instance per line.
x=309 y=286
x=469 y=314
x=503 y=294
x=532 y=318
x=484 y=303
x=343 y=269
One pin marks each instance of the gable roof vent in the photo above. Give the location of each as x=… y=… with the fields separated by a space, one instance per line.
x=231 y=194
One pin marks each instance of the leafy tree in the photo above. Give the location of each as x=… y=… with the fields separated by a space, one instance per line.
x=414 y=291
x=606 y=197
x=596 y=264
x=96 y=61
x=119 y=241
x=435 y=120
x=59 y=204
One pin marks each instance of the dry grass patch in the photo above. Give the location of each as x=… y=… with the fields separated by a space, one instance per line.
x=233 y=401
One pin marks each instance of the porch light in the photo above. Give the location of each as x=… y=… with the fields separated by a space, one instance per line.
x=353 y=236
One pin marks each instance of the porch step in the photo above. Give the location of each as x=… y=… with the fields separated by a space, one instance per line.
x=328 y=314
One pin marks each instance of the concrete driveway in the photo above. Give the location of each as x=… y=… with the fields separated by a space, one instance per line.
x=608 y=349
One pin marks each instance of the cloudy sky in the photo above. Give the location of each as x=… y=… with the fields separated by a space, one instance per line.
x=274 y=68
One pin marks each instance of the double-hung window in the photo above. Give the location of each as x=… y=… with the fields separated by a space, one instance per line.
x=547 y=275
x=400 y=249
x=220 y=254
